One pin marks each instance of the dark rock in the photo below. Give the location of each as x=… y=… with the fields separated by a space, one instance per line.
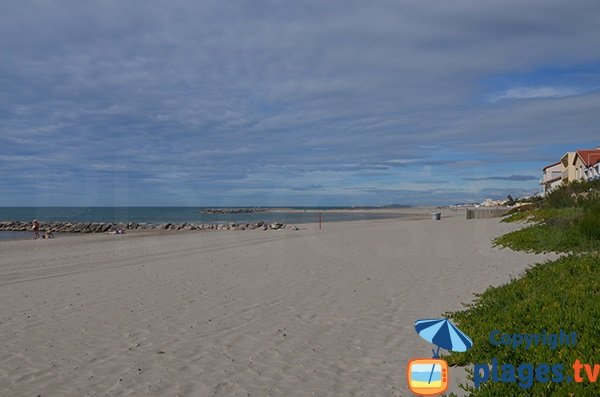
x=101 y=227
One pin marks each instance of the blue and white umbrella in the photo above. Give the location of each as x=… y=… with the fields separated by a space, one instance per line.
x=442 y=333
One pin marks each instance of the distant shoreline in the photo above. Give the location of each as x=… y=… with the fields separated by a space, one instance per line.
x=197 y=215
x=19 y=229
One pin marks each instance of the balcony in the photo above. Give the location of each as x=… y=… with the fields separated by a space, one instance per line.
x=592 y=173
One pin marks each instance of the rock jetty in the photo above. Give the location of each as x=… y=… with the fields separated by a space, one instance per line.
x=104 y=227
x=233 y=210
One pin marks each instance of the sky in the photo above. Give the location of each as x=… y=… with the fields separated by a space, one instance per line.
x=275 y=103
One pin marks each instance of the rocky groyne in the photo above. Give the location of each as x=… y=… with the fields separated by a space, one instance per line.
x=107 y=227
x=234 y=210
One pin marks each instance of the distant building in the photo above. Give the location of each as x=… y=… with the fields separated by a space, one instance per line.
x=551 y=176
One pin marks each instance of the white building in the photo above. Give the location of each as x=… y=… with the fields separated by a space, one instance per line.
x=551 y=176
x=592 y=173
x=585 y=163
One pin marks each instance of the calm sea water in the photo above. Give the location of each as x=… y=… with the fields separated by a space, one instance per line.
x=171 y=215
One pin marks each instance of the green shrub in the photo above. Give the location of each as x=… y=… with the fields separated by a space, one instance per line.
x=589 y=225
x=557 y=230
x=544 y=238
x=522 y=212
x=531 y=200
x=515 y=216
x=559 y=198
x=572 y=194
x=561 y=294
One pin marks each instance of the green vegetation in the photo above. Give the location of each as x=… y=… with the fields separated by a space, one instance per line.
x=580 y=237
x=554 y=215
x=589 y=225
x=572 y=194
x=555 y=295
x=568 y=220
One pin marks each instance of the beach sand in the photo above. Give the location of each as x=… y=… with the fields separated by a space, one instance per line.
x=241 y=313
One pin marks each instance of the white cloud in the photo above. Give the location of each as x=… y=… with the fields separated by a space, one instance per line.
x=537 y=93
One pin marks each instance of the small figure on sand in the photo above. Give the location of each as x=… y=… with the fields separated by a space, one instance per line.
x=35 y=226
x=118 y=231
x=49 y=234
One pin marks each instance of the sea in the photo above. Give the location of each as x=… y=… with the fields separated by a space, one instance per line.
x=288 y=215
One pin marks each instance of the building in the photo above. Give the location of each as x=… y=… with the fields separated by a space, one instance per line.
x=582 y=165
x=586 y=164
x=551 y=176
x=568 y=168
x=593 y=173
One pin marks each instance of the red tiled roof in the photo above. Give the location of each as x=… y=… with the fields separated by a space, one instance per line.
x=589 y=157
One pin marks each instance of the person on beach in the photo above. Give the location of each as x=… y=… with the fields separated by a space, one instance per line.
x=35 y=226
x=49 y=234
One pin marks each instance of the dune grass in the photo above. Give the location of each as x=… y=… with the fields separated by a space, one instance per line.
x=568 y=229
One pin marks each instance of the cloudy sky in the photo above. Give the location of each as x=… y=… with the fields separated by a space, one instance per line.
x=291 y=103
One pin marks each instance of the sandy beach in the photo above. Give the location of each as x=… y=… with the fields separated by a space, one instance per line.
x=243 y=313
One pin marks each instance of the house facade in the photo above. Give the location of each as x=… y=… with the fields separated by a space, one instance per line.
x=586 y=164
x=568 y=168
x=551 y=176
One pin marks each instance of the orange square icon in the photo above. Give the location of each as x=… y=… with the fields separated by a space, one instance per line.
x=427 y=376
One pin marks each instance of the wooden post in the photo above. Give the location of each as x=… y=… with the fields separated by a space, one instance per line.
x=320 y=221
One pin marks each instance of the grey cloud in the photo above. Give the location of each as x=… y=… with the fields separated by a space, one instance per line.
x=519 y=178
x=211 y=94
x=538 y=92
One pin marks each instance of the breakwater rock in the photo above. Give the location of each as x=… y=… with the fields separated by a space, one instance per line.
x=234 y=210
x=104 y=227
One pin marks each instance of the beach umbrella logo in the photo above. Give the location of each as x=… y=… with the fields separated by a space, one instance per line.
x=429 y=377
